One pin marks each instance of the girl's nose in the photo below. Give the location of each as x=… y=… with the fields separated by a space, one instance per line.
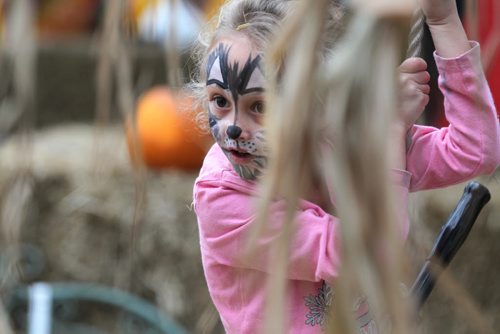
x=233 y=131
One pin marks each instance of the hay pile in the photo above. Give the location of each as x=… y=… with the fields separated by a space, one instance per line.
x=80 y=217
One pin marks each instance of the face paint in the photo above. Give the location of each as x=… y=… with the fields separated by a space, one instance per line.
x=226 y=74
x=247 y=155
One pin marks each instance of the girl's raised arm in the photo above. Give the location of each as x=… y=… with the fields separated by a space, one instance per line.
x=445 y=26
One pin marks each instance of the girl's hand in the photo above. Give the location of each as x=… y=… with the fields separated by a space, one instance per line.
x=439 y=12
x=445 y=26
x=413 y=97
x=413 y=90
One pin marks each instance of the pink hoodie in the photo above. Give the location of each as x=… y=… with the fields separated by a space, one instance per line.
x=223 y=202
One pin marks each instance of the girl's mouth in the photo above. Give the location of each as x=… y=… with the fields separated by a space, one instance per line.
x=240 y=154
x=239 y=157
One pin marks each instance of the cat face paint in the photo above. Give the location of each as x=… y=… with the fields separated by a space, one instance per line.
x=235 y=87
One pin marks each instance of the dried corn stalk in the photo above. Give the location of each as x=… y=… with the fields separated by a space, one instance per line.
x=328 y=126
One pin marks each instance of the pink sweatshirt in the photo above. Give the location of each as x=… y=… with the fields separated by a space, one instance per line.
x=224 y=205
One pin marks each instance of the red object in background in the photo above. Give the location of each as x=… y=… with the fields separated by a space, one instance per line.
x=489 y=37
x=485 y=28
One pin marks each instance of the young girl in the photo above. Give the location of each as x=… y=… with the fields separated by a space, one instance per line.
x=233 y=81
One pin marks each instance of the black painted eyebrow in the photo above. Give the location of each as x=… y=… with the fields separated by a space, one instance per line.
x=252 y=90
x=217 y=82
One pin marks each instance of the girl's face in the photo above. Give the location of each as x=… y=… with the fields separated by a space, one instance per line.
x=235 y=89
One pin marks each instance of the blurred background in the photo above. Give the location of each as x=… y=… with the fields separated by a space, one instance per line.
x=98 y=154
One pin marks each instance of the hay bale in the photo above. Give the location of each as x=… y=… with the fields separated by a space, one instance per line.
x=81 y=218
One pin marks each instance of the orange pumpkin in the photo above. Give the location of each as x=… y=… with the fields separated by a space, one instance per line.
x=65 y=18
x=166 y=132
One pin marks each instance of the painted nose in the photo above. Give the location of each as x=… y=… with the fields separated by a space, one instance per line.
x=233 y=131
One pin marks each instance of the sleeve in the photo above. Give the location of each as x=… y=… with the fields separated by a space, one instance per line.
x=226 y=217
x=470 y=145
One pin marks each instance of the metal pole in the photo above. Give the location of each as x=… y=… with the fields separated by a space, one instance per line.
x=40 y=309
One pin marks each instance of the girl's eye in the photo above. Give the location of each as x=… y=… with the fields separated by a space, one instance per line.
x=221 y=101
x=258 y=107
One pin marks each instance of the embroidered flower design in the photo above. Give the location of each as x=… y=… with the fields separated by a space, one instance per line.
x=319 y=305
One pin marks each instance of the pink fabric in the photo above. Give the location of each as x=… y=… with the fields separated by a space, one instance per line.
x=470 y=145
x=224 y=205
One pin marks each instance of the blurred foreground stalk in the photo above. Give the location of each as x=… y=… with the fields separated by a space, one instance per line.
x=17 y=62
x=19 y=57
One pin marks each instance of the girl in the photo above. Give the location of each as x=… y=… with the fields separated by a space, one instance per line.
x=232 y=82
